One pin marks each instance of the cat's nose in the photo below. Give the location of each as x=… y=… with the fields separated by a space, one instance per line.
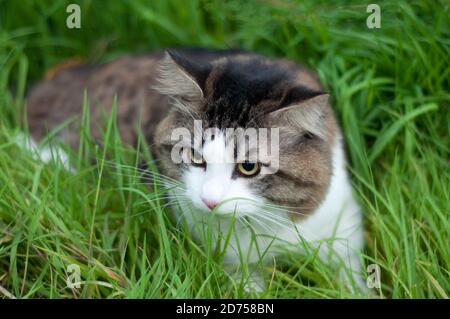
x=210 y=203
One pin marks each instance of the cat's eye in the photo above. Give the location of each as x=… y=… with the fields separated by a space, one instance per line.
x=196 y=159
x=248 y=169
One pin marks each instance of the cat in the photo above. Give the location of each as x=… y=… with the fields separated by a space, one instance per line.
x=300 y=194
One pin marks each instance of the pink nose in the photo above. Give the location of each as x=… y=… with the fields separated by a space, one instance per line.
x=210 y=203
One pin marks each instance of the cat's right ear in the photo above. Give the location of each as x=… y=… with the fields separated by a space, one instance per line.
x=181 y=77
x=306 y=115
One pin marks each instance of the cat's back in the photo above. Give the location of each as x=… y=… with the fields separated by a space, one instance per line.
x=130 y=79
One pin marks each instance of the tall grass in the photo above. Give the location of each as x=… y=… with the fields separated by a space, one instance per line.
x=390 y=91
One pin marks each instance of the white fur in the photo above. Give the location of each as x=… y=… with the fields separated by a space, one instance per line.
x=215 y=183
x=335 y=227
x=45 y=153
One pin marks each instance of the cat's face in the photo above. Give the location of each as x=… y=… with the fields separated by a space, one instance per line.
x=218 y=182
x=220 y=173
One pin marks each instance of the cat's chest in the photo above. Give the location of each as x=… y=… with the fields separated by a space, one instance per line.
x=237 y=238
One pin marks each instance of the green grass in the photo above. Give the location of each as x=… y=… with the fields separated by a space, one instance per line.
x=390 y=88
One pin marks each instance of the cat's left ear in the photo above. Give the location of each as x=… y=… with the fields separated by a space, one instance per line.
x=307 y=115
x=182 y=77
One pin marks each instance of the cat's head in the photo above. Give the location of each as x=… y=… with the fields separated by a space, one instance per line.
x=245 y=92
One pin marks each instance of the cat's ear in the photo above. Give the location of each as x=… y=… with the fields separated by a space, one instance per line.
x=181 y=77
x=306 y=115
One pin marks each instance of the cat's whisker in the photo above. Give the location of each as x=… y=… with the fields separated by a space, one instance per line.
x=282 y=208
x=161 y=198
x=148 y=201
x=176 y=203
x=185 y=211
x=146 y=211
x=254 y=231
x=164 y=188
x=268 y=238
x=274 y=218
x=137 y=172
x=161 y=188
x=290 y=225
x=297 y=229
x=158 y=182
x=245 y=222
x=143 y=171
x=149 y=177
x=269 y=220
x=280 y=222
x=113 y=163
x=163 y=182
x=261 y=225
x=286 y=209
